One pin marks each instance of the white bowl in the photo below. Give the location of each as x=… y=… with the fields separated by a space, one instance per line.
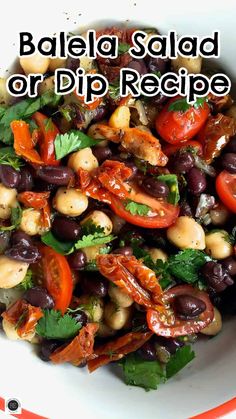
x=66 y=392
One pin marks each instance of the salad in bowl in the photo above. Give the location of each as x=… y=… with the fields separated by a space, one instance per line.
x=117 y=225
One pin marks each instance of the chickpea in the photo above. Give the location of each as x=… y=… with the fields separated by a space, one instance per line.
x=31 y=221
x=94 y=132
x=70 y=201
x=12 y=334
x=7 y=201
x=83 y=159
x=186 y=233
x=86 y=63
x=93 y=307
x=36 y=63
x=218 y=244
x=5 y=97
x=119 y=297
x=116 y=317
x=156 y=254
x=105 y=331
x=231 y=111
x=120 y=117
x=46 y=85
x=92 y=251
x=192 y=65
x=12 y=272
x=215 y=326
x=100 y=219
x=219 y=215
x=55 y=63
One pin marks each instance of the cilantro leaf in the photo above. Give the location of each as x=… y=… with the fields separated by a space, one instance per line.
x=141 y=373
x=186 y=264
x=159 y=267
x=123 y=47
x=114 y=90
x=9 y=157
x=16 y=214
x=92 y=240
x=72 y=141
x=23 y=110
x=27 y=281
x=89 y=227
x=172 y=183
x=64 y=248
x=53 y=325
x=182 y=104
x=137 y=209
x=179 y=360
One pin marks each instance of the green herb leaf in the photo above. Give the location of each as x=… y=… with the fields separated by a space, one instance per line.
x=137 y=209
x=123 y=47
x=27 y=281
x=172 y=183
x=182 y=104
x=64 y=248
x=72 y=141
x=92 y=240
x=141 y=373
x=53 y=325
x=16 y=214
x=9 y=157
x=114 y=90
x=179 y=360
x=91 y=228
x=186 y=264
x=159 y=267
x=23 y=110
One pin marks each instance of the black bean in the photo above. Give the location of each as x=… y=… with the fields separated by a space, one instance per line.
x=183 y=162
x=156 y=64
x=65 y=228
x=216 y=277
x=102 y=153
x=118 y=223
x=196 y=181
x=77 y=260
x=133 y=167
x=99 y=113
x=155 y=187
x=188 y=307
x=126 y=251
x=26 y=180
x=148 y=352
x=23 y=253
x=60 y=175
x=47 y=348
x=171 y=345
x=21 y=237
x=185 y=209
x=231 y=146
x=73 y=63
x=228 y=162
x=39 y=297
x=9 y=176
x=229 y=265
x=138 y=65
x=4 y=241
x=94 y=285
x=42 y=186
x=81 y=317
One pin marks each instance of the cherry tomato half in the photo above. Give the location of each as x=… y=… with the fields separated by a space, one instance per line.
x=162 y=214
x=159 y=324
x=178 y=126
x=54 y=272
x=226 y=189
x=170 y=149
